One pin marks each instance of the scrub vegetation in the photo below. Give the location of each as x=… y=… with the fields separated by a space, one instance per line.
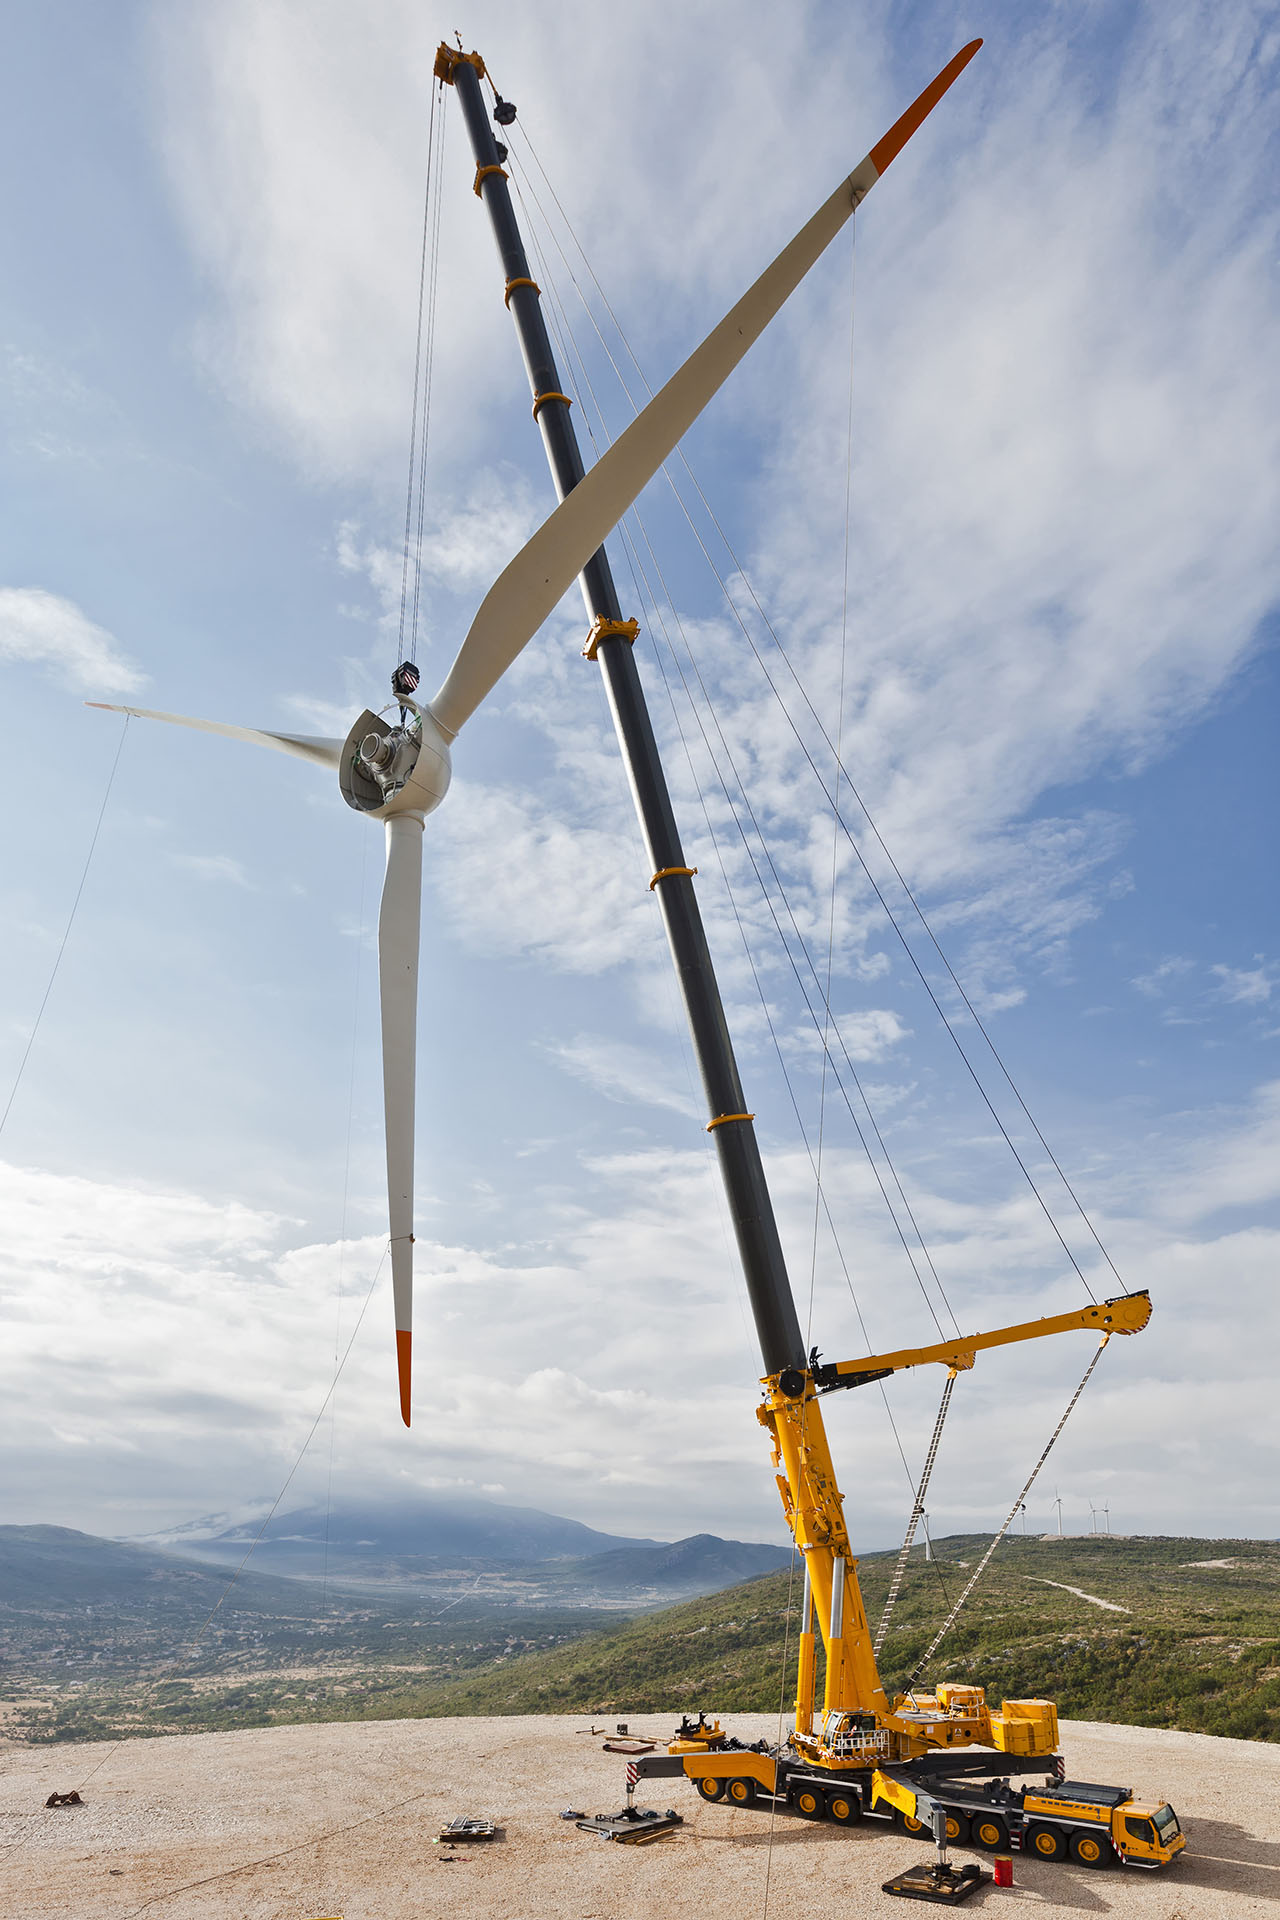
x=1189 y=1637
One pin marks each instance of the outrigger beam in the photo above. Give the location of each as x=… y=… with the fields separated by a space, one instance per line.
x=1127 y=1314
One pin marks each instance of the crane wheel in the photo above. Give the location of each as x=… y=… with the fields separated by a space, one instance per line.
x=844 y=1808
x=709 y=1787
x=1047 y=1843
x=742 y=1792
x=957 y=1830
x=907 y=1822
x=809 y=1804
x=989 y=1832
x=1091 y=1849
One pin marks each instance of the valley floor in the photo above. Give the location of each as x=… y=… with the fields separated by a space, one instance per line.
x=291 y=1823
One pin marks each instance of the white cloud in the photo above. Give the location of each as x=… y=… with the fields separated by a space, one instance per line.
x=622 y=1072
x=212 y=866
x=1246 y=986
x=1176 y=967
x=1064 y=487
x=42 y=627
x=167 y=1356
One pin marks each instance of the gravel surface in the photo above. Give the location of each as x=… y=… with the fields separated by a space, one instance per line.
x=294 y=1823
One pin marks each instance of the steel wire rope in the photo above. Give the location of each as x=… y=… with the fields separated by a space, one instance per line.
x=434 y=283
x=777 y=1045
x=569 y=353
x=202 y=1629
x=346 y=1194
x=66 y=931
x=919 y=911
x=706 y=695
x=266 y=1859
x=835 y=833
x=761 y=995
x=570 y=350
x=813 y=970
x=579 y=379
x=954 y=1614
x=417 y=367
x=917 y=1515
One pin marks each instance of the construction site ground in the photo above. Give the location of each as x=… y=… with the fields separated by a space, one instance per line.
x=295 y=1823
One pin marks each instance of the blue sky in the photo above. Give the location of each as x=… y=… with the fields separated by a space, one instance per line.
x=1061 y=700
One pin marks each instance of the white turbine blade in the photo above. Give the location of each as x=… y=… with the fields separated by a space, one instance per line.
x=525 y=593
x=399 y=928
x=304 y=746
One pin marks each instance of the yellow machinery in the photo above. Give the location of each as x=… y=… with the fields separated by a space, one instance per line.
x=858 y=1723
x=828 y=1767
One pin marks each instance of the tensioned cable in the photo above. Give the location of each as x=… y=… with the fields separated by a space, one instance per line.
x=203 y=1628
x=632 y=560
x=917 y=1515
x=853 y=789
x=954 y=1614
x=835 y=833
x=66 y=931
x=434 y=283
x=266 y=1859
x=342 y=1229
x=422 y=375
x=570 y=352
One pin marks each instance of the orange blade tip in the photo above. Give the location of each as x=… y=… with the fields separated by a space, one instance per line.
x=404 y=1342
x=918 y=112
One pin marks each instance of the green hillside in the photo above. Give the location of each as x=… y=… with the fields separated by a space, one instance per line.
x=1197 y=1647
x=1178 y=1644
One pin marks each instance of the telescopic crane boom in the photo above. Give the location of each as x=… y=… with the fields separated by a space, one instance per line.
x=856 y=1713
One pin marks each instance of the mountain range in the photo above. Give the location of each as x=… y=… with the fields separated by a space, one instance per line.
x=435 y=1540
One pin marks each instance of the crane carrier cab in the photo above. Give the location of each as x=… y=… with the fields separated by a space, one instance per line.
x=1094 y=1825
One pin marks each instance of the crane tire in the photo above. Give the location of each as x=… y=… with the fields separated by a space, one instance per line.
x=809 y=1803
x=957 y=1830
x=1046 y=1843
x=844 y=1806
x=709 y=1786
x=989 y=1832
x=907 y=1822
x=742 y=1792
x=1091 y=1849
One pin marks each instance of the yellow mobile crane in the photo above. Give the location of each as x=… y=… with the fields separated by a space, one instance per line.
x=865 y=1753
x=918 y=1756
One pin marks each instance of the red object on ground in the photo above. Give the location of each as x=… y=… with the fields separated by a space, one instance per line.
x=1004 y=1870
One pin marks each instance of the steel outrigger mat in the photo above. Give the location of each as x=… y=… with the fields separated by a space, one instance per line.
x=632 y=1825
x=947 y=1886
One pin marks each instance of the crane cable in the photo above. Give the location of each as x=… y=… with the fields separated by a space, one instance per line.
x=955 y=1612
x=834 y=799
x=917 y=1514
x=570 y=353
x=423 y=366
x=66 y=931
x=569 y=350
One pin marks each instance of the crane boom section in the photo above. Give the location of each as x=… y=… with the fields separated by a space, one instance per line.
x=1127 y=1314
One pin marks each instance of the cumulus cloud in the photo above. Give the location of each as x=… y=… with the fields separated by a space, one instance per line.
x=167 y=1356
x=43 y=628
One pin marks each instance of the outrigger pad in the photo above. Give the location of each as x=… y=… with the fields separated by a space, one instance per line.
x=632 y=1824
x=948 y=1886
